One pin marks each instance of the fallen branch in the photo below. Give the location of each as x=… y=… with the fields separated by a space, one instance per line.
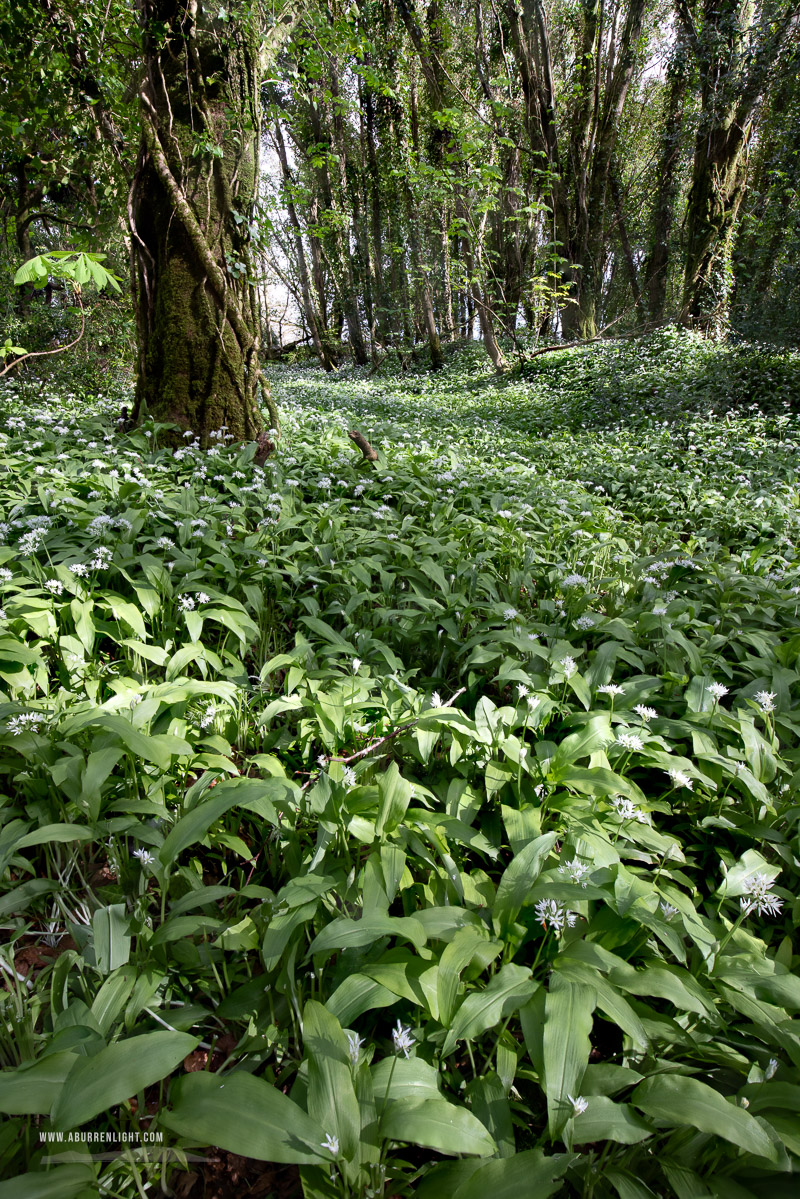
x=360 y=440
x=264 y=447
x=401 y=728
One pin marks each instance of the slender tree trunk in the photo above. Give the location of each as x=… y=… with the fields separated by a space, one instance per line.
x=448 y=323
x=315 y=322
x=625 y=243
x=196 y=309
x=656 y=271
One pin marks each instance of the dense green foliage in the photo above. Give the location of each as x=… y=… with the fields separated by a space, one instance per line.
x=442 y=815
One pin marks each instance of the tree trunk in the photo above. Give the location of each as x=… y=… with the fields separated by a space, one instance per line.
x=718 y=179
x=736 y=57
x=191 y=206
x=625 y=243
x=315 y=322
x=657 y=267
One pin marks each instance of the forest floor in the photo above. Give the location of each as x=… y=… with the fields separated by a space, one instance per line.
x=430 y=826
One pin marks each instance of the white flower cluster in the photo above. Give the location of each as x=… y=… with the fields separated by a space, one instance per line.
x=626 y=809
x=552 y=914
x=759 y=897
x=25 y=722
x=575 y=870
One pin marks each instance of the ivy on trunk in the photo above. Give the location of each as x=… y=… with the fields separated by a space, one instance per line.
x=191 y=207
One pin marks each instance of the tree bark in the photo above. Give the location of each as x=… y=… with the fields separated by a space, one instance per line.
x=191 y=205
x=656 y=271
x=736 y=64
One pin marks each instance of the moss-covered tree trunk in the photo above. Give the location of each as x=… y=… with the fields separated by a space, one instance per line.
x=738 y=56
x=717 y=188
x=191 y=208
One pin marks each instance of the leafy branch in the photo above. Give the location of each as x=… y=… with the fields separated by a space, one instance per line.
x=74 y=267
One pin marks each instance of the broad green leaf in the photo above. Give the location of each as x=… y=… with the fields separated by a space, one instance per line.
x=605 y=1120
x=436 y=1124
x=112 y=998
x=112 y=942
x=673 y=983
x=395 y=795
x=33 y=1089
x=63 y=1182
x=124 y=610
x=446 y=1177
x=214 y=803
x=404 y=1078
x=527 y=1173
x=458 y=954
x=63 y=833
x=508 y=990
x=31 y=271
x=159 y=748
x=280 y=931
x=517 y=880
x=153 y=653
x=117 y=1073
x=628 y=1187
x=245 y=1115
x=358 y=994
x=566 y=1046
x=332 y=1099
x=54 y=832
x=344 y=933
x=595 y=734
x=682 y=1101
x=99 y=765
x=19 y=898
x=489 y=1102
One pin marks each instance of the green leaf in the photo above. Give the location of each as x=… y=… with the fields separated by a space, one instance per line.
x=62 y=833
x=595 y=734
x=518 y=878
x=18 y=899
x=112 y=998
x=344 y=933
x=395 y=795
x=32 y=1089
x=64 y=1182
x=214 y=803
x=332 y=1099
x=458 y=954
x=244 y=1115
x=508 y=990
x=566 y=1046
x=404 y=1078
x=358 y=994
x=436 y=1124
x=682 y=1101
x=529 y=1173
x=126 y=611
x=605 y=1120
x=31 y=271
x=112 y=944
x=116 y=1073
x=628 y=1187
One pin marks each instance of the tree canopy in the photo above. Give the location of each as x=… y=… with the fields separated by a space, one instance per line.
x=521 y=171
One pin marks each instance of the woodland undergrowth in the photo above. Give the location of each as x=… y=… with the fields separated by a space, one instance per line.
x=431 y=825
